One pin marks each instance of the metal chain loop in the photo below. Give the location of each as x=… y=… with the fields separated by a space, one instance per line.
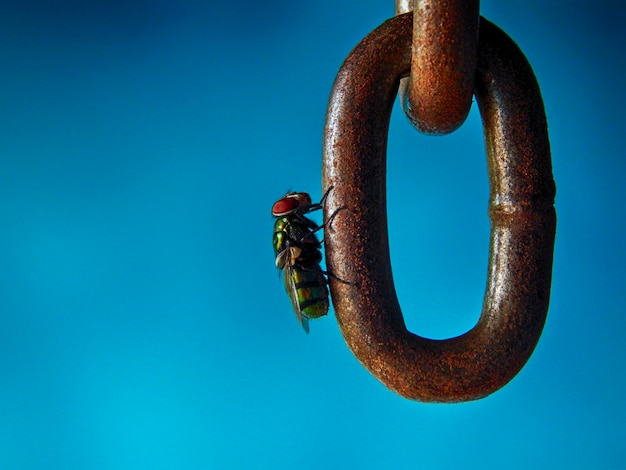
x=437 y=96
x=523 y=220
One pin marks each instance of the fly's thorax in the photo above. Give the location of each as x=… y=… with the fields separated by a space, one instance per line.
x=298 y=229
x=309 y=255
x=280 y=237
x=281 y=224
x=293 y=231
x=287 y=232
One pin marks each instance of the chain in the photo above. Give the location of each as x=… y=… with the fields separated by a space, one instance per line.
x=523 y=218
x=437 y=95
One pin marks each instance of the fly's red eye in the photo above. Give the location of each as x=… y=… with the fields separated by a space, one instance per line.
x=284 y=206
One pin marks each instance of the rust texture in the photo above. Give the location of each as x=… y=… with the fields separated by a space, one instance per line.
x=523 y=221
x=437 y=96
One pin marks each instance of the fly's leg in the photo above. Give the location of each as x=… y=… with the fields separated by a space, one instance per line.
x=336 y=278
x=315 y=207
x=328 y=224
x=326 y=273
x=322 y=203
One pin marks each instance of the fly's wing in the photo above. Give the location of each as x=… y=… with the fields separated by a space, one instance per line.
x=290 y=286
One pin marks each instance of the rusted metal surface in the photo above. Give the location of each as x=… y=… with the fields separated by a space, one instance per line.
x=523 y=221
x=438 y=93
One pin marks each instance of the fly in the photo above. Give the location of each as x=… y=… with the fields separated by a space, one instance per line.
x=298 y=254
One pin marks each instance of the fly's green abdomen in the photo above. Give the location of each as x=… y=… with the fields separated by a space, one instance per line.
x=312 y=291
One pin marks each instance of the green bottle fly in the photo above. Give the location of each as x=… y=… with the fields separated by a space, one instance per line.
x=298 y=255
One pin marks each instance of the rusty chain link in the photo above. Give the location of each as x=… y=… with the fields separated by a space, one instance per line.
x=523 y=220
x=437 y=95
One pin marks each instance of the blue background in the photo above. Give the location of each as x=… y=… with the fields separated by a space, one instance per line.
x=142 y=321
